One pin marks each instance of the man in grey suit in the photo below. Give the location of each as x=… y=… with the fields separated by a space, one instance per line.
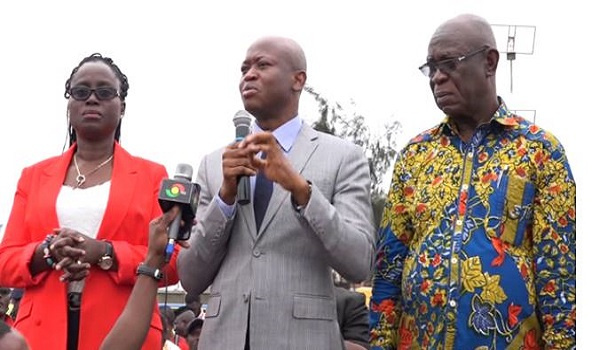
x=270 y=275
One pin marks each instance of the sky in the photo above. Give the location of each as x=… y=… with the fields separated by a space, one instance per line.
x=183 y=61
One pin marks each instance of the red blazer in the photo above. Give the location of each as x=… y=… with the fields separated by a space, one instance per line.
x=182 y=343
x=132 y=203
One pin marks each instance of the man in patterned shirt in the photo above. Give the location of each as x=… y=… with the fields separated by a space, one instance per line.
x=476 y=248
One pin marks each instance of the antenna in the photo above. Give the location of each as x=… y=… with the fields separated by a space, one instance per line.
x=524 y=46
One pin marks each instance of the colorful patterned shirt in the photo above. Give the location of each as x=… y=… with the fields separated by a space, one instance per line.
x=476 y=248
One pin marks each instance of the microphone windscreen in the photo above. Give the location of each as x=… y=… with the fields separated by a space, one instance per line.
x=242 y=120
x=185 y=171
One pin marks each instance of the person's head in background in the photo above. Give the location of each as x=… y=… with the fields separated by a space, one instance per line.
x=193 y=332
x=182 y=321
x=166 y=333
x=169 y=320
x=193 y=303
x=4 y=300
x=96 y=91
x=11 y=339
x=180 y=310
x=273 y=76
x=15 y=299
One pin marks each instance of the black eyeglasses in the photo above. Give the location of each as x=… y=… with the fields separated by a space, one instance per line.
x=447 y=65
x=82 y=93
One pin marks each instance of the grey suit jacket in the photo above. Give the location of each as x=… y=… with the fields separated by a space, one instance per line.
x=275 y=282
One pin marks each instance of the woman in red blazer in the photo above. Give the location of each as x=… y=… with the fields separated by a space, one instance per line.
x=46 y=259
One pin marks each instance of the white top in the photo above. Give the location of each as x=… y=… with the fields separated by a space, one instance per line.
x=169 y=345
x=82 y=210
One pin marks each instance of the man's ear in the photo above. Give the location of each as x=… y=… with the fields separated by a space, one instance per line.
x=299 y=81
x=491 y=62
x=123 y=105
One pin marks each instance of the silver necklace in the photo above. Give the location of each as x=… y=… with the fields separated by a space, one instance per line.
x=81 y=177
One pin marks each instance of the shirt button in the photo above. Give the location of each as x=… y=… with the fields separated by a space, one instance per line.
x=464 y=187
x=470 y=155
x=454 y=260
x=256 y=253
x=458 y=222
x=514 y=212
x=246 y=298
x=452 y=303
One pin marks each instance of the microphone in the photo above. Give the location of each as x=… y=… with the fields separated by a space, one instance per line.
x=242 y=120
x=180 y=191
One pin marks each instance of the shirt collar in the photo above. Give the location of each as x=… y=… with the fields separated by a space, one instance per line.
x=285 y=134
x=502 y=116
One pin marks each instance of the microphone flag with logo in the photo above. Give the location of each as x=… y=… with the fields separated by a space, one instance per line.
x=180 y=191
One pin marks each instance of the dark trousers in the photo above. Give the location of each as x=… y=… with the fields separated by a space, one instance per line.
x=73 y=307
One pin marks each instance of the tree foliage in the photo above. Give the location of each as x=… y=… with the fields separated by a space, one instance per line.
x=380 y=148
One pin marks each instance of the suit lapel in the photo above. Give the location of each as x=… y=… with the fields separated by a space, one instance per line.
x=302 y=149
x=122 y=188
x=51 y=181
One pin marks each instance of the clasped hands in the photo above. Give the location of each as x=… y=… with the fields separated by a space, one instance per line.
x=75 y=253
